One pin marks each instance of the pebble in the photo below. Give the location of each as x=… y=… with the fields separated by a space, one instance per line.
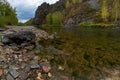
x=9 y=77
x=24 y=76
x=39 y=77
x=1 y=72
x=5 y=66
x=46 y=67
x=60 y=68
x=49 y=74
x=20 y=60
x=14 y=73
x=15 y=56
x=5 y=71
x=35 y=66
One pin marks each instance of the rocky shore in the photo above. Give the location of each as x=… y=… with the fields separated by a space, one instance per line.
x=19 y=61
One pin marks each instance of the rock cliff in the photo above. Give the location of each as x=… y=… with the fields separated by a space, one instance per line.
x=45 y=9
x=80 y=12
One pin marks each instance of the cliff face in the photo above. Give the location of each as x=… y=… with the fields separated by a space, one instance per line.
x=41 y=13
x=45 y=9
x=78 y=12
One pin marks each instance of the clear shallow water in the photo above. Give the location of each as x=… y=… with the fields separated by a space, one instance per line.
x=89 y=48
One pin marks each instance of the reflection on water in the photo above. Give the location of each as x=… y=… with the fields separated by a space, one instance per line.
x=90 y=49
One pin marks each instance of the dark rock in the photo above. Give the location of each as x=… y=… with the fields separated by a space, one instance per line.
x=46 y=67
x=27 y=68
x=23 y=76
x=35 y=66
x=1 y=44
x=69 y=23
x=94 y=4
x=1 y=29
x=19 y=38
x=118 y=23
x=29 y=47
x=2 y=60
x=5 y=66
x=14 y=73
x=15 y=48
x=9 y=77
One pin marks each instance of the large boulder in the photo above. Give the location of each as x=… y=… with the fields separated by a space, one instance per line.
x=18 y=38
x=69 y=23
x=94 y=4
x=118 y=23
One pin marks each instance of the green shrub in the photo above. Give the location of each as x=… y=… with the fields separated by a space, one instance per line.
x=85 y=24
x=91 y=24
x=2 y=22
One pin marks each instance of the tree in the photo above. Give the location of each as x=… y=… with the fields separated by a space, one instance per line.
x=49 y=18
x=57 y=18
x=7 y=13
x=116 y=9
x=76 y=1
x=68 y=4
x=104 y=10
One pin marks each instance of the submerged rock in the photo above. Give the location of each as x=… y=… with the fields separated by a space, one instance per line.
x=19 y=38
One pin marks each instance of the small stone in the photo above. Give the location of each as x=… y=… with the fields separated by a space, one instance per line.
x=20 y=56
x=35 y=66
x=20 y=60
x=9 y=51
x=9 y=59
x=26 y=60
x=16 y=67
x=1 y=44
x=27 y=68
x=39 y=77
x=5 y=66
x=5 y=71
x=9 y=77
x=14 y=73
x=46 y=67
x=15 y=56
x=29 y=47
x=1 y=72
x=49 y=74
x=2 y=60
x=23 y=76
x=23 y=65
x=60 y=68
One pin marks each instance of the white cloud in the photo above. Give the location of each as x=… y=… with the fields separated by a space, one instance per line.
x=26 y=8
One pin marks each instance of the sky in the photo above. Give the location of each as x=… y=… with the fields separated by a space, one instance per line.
x=26 y=8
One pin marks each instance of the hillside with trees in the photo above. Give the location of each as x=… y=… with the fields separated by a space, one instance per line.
x=7 y=14
x=102 y=12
